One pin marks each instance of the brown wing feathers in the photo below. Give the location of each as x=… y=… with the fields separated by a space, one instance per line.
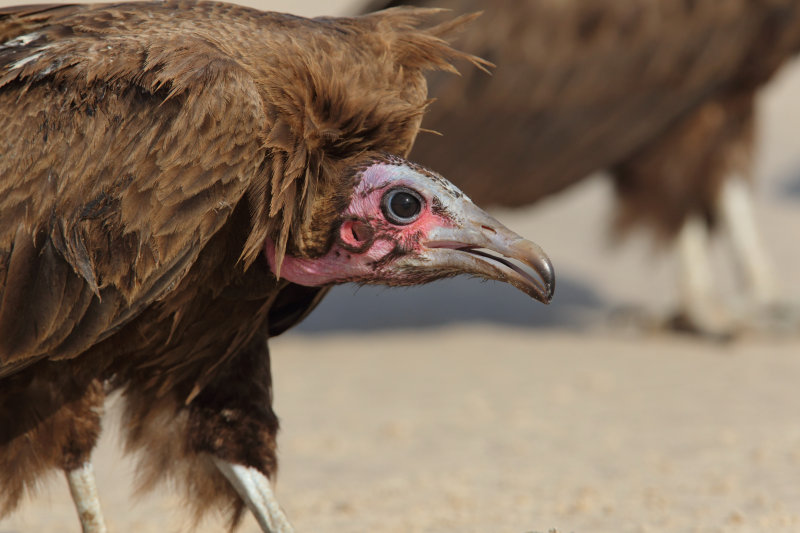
x=124 y=183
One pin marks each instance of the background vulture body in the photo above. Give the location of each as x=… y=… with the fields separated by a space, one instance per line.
x=158 y=162
x=658 y=93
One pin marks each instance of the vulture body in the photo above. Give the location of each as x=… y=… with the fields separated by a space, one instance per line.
x=658 y=93
x=179 y=182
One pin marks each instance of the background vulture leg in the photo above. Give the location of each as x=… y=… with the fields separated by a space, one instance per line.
x=701 y=311
x=255 y=489
x=736 y=212
x=766 y=309
x=84 y=493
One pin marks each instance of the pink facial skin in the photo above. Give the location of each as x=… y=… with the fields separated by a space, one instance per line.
x=367 y=244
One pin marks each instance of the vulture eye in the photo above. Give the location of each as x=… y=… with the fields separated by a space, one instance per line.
x=401 y=206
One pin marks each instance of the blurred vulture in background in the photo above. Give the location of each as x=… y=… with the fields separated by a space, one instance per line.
x=660 y=93
x=178 y=183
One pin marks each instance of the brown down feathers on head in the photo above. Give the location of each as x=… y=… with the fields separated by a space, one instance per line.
x=319 y=126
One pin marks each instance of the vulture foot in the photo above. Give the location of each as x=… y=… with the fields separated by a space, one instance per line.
x=772 y=320
x=638 y=320
x=84 y=493
x=713 y=326
x=256 y=491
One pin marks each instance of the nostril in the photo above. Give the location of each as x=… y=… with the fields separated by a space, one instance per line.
x=356 y=233
x=488 y=228
x=361 y=232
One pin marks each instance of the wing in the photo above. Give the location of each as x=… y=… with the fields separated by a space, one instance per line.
x=579 y=84
x=122 y=151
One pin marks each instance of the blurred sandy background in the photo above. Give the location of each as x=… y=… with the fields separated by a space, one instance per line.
x=466 y=407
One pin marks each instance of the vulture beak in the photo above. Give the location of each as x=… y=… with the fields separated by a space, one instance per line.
x=484 y=247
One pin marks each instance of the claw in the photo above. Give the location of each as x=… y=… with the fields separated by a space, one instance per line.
x=256 y=491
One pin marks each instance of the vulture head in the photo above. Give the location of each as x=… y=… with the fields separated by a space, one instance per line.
x=401 y=224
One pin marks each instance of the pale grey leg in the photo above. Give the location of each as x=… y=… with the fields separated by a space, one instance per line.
x=737 y=214
x=699 y=302
x=84 y=493
x=256 y=491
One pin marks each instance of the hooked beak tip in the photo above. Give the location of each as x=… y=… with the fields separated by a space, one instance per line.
x=548 y=275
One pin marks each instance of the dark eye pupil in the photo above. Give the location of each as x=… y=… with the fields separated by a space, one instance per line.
x=401 y=206
x=404 y=205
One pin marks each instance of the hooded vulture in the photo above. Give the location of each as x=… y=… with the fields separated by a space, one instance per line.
x=660 y=93
x=179 y=182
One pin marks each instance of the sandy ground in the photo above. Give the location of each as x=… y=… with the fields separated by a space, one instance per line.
x=466 y=407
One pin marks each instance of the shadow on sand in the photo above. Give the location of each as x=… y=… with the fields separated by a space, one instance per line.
x=791 y=185
x=458 y=300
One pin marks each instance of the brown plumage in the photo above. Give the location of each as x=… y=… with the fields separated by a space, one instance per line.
x=158 y=162
x=659 y=93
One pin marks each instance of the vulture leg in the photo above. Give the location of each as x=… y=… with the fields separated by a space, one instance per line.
x=220 y=447
x=84 y=493
x=766 y=310
x=737 y=214
x=256 y=491
x=50 y=419
x=678 y=184
x=232 y=420
x=701 y=310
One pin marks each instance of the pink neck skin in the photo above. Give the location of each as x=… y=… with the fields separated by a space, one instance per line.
x=365 y=237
